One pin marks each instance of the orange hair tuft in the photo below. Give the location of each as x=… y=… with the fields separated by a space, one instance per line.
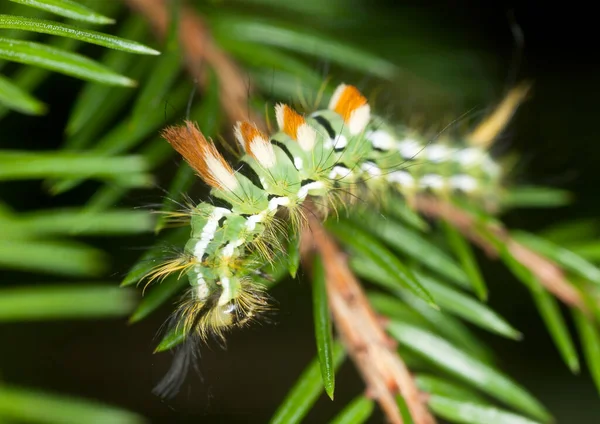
x=346 y=100
x=201 y=155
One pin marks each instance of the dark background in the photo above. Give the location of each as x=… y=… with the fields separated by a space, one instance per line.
x=555 y=132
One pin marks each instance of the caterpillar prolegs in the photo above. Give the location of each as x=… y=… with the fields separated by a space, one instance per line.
x=331 y=156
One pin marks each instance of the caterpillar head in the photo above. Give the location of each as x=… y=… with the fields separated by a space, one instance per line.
x=234 y=303
x=223 y=309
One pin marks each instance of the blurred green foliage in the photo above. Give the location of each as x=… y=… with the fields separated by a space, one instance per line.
x=424 y=277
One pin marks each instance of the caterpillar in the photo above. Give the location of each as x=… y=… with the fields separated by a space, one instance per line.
x=329 y=157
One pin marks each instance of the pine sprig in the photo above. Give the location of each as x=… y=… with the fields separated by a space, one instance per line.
x=414 y=255
x=424 y=279
x=56 y=59
x=45 y=241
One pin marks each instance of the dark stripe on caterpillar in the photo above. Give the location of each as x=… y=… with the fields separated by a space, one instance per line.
x=246 y=170
x=285 y=150
x=326 y=125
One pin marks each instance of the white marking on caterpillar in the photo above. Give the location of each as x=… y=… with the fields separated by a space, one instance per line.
x=359 y=118
x=227 y=250
x=339 y=173
x=463 y=182
x=230 y=247
x=202 y=244
x=371 y=169
x=275 y=202
x=201 y=288
x=226 y=295
x=381 y=140
x=433 y=181
x=403 y=178
x=437 y=153
x=340 y=142
x=303 y=192
x=409 y=148
x=252 y=220
x=208 y=231
x=469 y=156
x=298 y=163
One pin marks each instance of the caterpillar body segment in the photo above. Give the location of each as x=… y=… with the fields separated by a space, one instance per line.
x=331 y=155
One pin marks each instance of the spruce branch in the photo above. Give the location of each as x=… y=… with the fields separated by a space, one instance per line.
x=201 y=52
x=362 y=332
x=549 y=274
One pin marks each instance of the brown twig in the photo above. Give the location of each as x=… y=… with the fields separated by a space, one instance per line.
x=373 y=352
x=547 y=272
x=200 y=51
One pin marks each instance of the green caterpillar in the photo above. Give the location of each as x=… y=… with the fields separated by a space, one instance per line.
x=330 y=156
